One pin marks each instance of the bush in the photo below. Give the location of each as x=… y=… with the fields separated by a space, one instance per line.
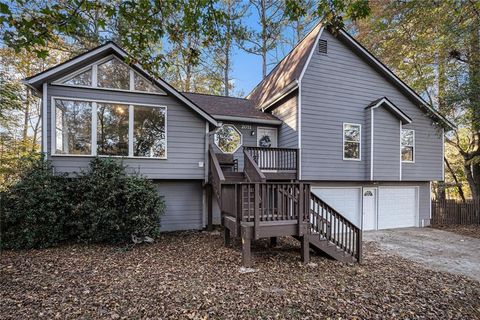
x=102 y=204
x=34 y=208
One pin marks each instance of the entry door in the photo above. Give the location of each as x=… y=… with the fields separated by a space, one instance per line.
x=369 y=208
x=267 y=137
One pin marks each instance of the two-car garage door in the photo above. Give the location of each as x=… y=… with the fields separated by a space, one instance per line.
x=391 y=207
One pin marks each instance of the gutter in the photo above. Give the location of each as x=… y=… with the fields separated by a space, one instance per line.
x=249 y=120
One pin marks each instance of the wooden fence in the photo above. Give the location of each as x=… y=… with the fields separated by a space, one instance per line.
x=454 y=212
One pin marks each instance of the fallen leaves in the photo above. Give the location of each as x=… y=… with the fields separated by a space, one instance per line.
x=191 y=275
x=469 y=231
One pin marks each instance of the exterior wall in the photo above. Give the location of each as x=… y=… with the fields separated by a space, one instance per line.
x=247 y=138
x=424 y=200
x=386 y=145
x=286 y=110
x=184 y=205
x=185 y=136
x=336 y=88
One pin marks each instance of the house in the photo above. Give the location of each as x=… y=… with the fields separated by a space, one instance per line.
x=330 y=143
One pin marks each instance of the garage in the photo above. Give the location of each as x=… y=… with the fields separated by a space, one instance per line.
x=397 y=207
x=346 y=201
x=383 y=207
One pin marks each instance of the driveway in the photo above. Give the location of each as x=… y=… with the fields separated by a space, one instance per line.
x=436 y=249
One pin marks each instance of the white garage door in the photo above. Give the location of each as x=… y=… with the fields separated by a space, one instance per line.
x=397 y=207
x=345 y=200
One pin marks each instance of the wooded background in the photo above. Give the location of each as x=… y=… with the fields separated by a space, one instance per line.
x=432 y=45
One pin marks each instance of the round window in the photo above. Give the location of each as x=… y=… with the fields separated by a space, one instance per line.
x=228 y=139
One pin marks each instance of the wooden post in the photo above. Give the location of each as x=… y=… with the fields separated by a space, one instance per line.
x=305 y=249
x=209 y=208
x=359 y=247
x=246 y=247
x=273 y=242
x=297 y=160
x=301 y=208
x=226 y=237
x=256 y=210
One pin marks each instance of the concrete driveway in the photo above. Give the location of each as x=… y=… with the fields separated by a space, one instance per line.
x=436 y=249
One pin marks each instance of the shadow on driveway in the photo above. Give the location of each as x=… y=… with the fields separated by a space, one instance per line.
x=436 y=249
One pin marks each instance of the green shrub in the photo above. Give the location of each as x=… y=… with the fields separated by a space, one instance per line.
x=33 y=210
x=110 y=206
x=102 y=204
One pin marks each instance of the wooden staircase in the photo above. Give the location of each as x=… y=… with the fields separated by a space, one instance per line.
x=253 y=207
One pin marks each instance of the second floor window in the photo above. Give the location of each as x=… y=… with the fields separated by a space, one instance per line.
x=408 y=145
x=351 y=141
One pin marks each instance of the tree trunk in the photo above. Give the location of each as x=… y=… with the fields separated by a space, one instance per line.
x=457 y=182
x=263 y=22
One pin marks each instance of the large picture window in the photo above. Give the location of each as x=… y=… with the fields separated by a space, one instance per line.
x=110 y=73
x=73 y=129
x=408 y=145
x=351 y=141
x=109 y=129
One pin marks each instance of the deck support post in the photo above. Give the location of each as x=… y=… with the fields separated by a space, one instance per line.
x=246 y=246
x=209 y=207
x=305 y=249
x=226 y=237
x=273 y=242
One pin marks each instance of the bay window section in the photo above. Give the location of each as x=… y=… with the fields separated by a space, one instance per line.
x=149 y=139
x=73 y=127
x=108 y=129
x=112 y=129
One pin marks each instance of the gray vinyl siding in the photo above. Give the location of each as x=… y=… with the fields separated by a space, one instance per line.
x=184 y=204
x=336 y=88
x=386 y=145
x=247 y=139
x=185 y=136
x=424 y=200
x=286 y=110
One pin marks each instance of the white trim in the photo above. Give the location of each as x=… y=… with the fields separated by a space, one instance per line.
x=397 y=111
x=236 y=129
x=244 y=119
x=131 y=78
x=372 y=131
x=359 y=142
x=299 y=129
x=206 y=162
x=315 y=44
x=413 y=146
x=44 y=120
x=94 y=128
x=443 y=155
x=393 y=76
x=94 y=76
x=268 y=128
x=400 y=168
x=430 y=204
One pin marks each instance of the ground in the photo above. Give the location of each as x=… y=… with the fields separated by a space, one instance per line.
x=437 y=249
x=191 y=275
x=470 y=231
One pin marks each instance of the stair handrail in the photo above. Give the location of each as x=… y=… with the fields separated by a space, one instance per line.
x=251 y=169
x=348 y=236
x=216 y=174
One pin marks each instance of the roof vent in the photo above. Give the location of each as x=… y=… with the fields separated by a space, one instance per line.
x=322 y=46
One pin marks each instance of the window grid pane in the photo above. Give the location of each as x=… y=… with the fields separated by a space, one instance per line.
x=112 y=129
x=149 y=138
x=113 y=74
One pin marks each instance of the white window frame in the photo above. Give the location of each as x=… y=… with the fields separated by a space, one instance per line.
x=94 y=67
x=236 y=129
x=413 y=146
x=94 y=128
x=359 y=141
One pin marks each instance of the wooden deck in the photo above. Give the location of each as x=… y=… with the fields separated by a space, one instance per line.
x=259 y=204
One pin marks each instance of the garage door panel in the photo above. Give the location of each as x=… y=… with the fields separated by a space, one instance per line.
x=397 y=207
x=344 y=200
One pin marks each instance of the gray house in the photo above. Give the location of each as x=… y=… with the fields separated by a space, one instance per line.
x=330 y=143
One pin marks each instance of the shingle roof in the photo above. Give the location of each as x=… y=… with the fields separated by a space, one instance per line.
x=228 y=106
x=286 y=71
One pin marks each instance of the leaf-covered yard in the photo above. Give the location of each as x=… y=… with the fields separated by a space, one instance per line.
x=191 y=275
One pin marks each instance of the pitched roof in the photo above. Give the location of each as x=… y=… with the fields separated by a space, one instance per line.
x=109 y=47
x=385 y=102
x=286 y=71
x=231 y=108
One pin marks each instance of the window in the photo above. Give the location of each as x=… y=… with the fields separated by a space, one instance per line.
x=149 y=132
x=118 y=129
x=228 y=139
x=73 y=129
x=408 y=145
x=111 y=73
x=112 y=129
x=351 y=141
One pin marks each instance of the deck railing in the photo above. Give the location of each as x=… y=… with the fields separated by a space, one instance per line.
x=215 y=173
x=330 y=225
x=251 y=169
x=279 y=159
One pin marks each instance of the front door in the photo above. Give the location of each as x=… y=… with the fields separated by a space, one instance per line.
x=369 y=208
x=267 y=137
